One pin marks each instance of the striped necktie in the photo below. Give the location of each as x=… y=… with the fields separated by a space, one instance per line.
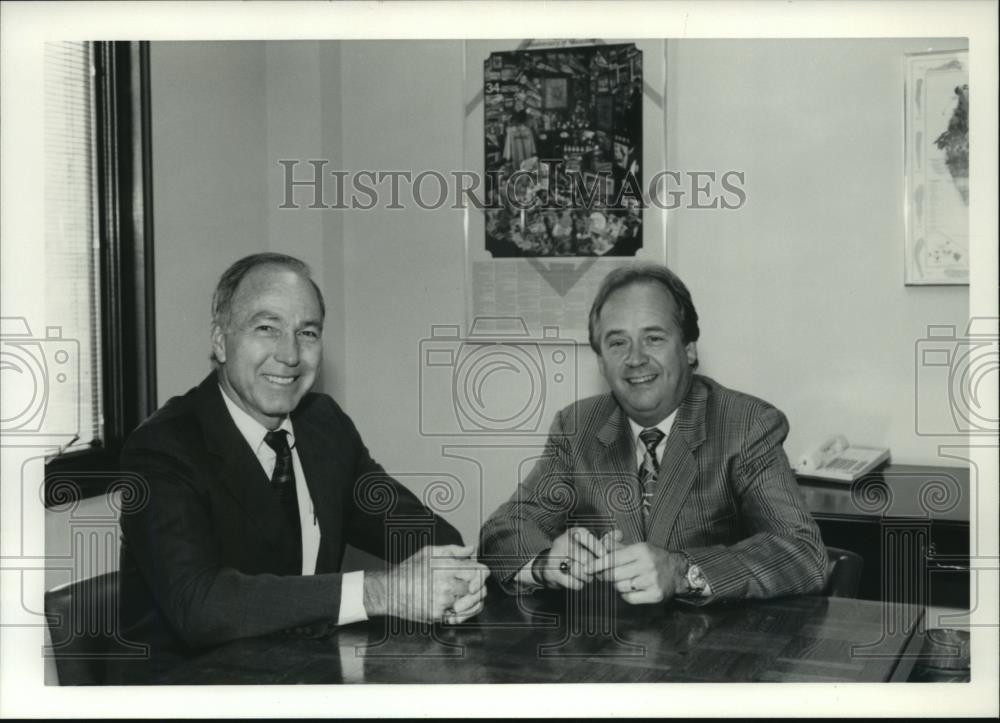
x=283 y=477
x=650 y=468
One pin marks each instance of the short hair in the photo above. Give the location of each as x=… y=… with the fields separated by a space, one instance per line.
x=229 y=283
x=645 y=273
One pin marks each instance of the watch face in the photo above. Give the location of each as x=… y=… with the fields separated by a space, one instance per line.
x=695 y=577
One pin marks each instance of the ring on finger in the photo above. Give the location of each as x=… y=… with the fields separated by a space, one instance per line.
x=564 y=567
x=633 y=585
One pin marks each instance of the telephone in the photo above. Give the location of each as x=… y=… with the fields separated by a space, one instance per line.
x=836 y=460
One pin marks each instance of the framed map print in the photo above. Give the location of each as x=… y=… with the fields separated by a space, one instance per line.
x=937 y=168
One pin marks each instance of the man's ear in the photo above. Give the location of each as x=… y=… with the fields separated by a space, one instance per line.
x=692 y=353
x=219 y=343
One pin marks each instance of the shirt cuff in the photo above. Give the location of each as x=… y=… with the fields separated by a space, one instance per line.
x=352 y=598
x=524 y=581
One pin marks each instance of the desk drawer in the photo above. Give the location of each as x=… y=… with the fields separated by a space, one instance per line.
x=914 y=561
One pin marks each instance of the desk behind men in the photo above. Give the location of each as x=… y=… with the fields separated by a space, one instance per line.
x=590 y=638
x=910 y=523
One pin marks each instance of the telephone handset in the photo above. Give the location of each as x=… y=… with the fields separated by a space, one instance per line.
x=835 y=459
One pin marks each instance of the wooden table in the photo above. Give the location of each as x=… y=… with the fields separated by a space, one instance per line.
x=592 y=638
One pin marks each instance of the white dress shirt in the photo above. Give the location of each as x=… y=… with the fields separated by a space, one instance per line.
x=352 y=590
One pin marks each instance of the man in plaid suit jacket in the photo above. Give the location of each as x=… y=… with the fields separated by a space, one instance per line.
x=671 y=485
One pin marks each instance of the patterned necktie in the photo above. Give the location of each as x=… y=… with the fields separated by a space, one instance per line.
x=649 y=469
x=283 y=477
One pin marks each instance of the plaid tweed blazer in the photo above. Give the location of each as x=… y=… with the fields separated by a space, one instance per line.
x=726 y=496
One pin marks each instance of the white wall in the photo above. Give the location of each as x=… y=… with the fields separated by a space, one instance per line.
x=223 y=114
x=402 y=109
x=801 y=292
x=302 y=104
x=209 y=137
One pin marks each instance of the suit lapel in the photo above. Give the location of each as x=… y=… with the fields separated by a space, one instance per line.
x=618 y=479
x=321 y=466
x=239 y=468
x=678 y=468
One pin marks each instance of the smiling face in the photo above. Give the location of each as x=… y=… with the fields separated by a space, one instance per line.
x=270 y=348
x=643 y=355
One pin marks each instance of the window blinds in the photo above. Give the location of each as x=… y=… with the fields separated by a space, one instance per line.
x=71 y=347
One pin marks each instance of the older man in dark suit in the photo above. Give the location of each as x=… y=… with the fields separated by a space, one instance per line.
x=671 y=485
x=255 y=486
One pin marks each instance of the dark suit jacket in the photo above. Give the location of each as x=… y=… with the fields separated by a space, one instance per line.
x=207 y=555
x=725 y=496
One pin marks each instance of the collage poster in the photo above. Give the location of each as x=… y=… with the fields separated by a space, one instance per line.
x=563 y=149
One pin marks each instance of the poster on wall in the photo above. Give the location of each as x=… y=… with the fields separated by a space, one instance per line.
x=937 y=168
x=562 y=134
x=563 y=143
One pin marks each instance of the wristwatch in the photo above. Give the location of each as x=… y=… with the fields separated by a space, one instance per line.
x=695 y=580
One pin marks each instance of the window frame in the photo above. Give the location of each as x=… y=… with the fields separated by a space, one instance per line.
x=125 y=233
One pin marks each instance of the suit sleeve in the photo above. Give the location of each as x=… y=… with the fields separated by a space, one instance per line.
x=535 y=514
x=783 y=553
x=385 y=518
x=171 y=537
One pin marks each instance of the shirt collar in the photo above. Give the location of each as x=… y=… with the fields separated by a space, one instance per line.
x=664 y=426
x=252 y=430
